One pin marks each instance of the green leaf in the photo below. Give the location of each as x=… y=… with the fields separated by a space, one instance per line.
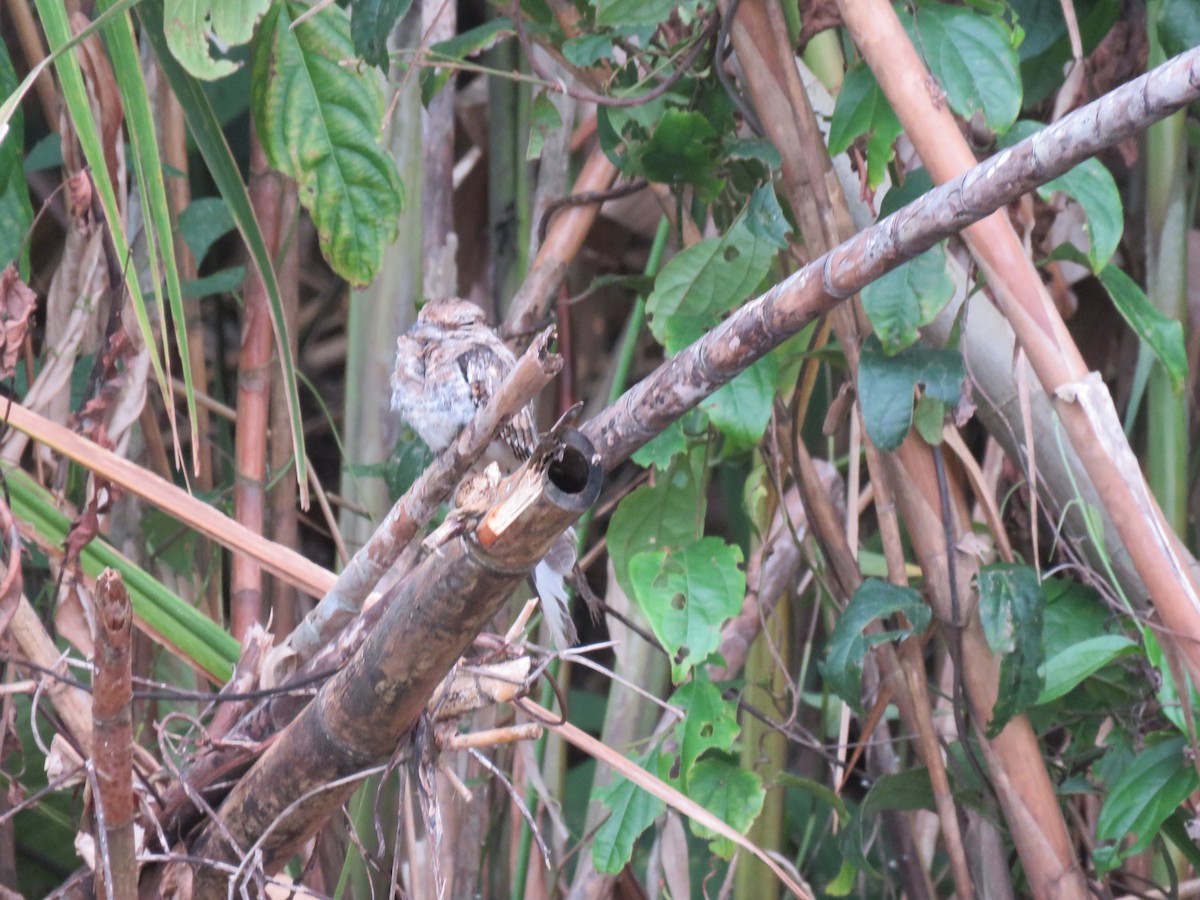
x=587 y=49
x=848 y=645
x=742 y=408
x=1068 y=668
x=1178 y=25
x=886 y=385
x=907 y=298
x=905 y=791
x=862 y=108
x=729 y=791
x=665 y=516
x=619 y=13
x=45 y=154
x=820 y=791
x=223 y=281
x=764 y=217
x=1169 y=695
x=1141 y=798
x=706 y=280
x=148 y=166
x=544 y=118
x=929 y=418
x=711 y=721
x=683 y=150
x=633 y=811
x=458 y=48
x=1162 y=334
x=1090 y=185
x=843 y=883
x=1175 y=828
x=319 y=123
x=16 y=212
x=1046 y=49
x=663 y=447
x=687 y=595
x=1074 y=612
x=1011 y=605
x=973 y=58
x=203 y=223
x=371 y=21
x=188 y=24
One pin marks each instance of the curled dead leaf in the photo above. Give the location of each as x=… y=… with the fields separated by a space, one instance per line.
x=17 y=301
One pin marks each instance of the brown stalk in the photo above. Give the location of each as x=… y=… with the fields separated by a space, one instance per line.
x=285 y=521
x=112 y=717
x=174 y=141
x=359 y=716
x=1086 y=413
x=253 y=396
x=566 y=235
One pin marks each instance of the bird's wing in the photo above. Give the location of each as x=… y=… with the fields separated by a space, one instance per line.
x=484 y=368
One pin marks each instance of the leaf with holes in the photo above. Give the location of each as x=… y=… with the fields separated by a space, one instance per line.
x=700 y=284
x=189 y=23
x=687 y=595
x=666 y=516
x=319 y=123
x=711 y=721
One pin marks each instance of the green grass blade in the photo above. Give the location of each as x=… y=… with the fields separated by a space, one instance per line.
x=58 y=33
x=149 y=169
x=210 y=140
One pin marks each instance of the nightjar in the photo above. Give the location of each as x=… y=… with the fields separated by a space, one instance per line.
x=447 y=365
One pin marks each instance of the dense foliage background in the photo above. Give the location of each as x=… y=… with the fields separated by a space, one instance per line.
x=896 y=610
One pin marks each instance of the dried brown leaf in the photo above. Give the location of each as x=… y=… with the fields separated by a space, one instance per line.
x=17 y=301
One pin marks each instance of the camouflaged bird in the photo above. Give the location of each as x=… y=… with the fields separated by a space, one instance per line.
x=447 y=366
